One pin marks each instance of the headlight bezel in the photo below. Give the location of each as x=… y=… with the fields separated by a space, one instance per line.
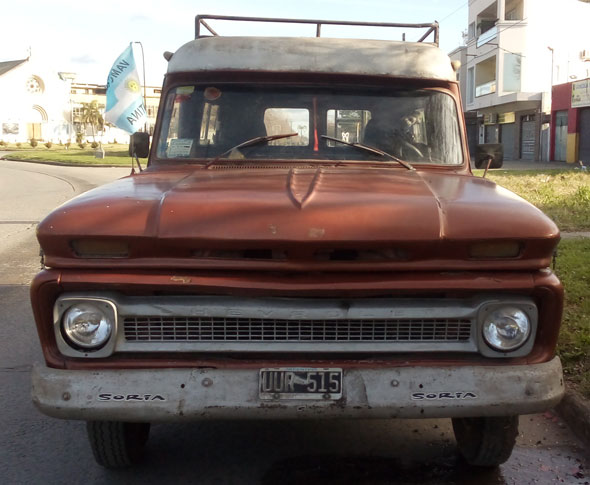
x=104 y=330
x=68 y=346
x=487 y=349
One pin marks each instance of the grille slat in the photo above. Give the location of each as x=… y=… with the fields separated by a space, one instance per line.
x=222 y=329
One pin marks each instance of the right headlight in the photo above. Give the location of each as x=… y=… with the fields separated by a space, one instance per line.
x=86 y=325
x=506 y=328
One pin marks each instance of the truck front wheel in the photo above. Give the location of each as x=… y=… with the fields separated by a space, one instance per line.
x=488 y=441
x=117 y=444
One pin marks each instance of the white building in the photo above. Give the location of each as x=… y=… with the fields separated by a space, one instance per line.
x=38 y=102
x=516 y=50
x=34 y=102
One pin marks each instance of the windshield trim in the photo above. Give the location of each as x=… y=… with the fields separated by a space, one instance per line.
x=367 y=83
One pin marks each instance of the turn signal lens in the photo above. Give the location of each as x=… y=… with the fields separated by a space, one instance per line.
x=96 y=248
x=495 y=250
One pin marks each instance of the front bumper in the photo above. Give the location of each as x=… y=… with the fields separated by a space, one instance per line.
x=152 y=395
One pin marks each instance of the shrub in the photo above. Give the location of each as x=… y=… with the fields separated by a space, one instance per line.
x=115 y=141
x=79 y=137
x=2 y=143
x=33 y=142
x=48 y=144
x=18 y=144
x=94 y=144
x=82 y=145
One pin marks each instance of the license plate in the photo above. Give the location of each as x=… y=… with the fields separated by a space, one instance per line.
x=300 y=383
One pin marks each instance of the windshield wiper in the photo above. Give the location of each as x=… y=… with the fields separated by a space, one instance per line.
x=248 y=143
x=370 y=149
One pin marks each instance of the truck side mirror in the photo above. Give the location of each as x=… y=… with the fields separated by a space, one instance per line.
x=485 y=151
x=139 y=144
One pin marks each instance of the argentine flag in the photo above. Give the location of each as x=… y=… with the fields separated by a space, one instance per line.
x=125 y=108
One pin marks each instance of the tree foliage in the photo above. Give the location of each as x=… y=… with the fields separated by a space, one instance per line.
x=91 y=115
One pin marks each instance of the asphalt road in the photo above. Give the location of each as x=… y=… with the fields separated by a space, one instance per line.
x=37 y=449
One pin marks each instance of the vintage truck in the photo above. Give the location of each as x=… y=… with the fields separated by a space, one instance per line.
x=306 y=241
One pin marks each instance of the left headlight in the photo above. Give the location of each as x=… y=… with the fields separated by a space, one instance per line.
x=506 y=328
x=87 y=326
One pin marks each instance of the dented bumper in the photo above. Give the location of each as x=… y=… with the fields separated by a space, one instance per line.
x=152 y=395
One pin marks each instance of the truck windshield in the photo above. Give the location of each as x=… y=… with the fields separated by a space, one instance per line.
x=205 y=122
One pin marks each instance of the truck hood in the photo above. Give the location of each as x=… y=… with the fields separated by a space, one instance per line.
x=191 y=215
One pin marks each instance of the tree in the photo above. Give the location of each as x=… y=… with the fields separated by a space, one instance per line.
x=91 y=115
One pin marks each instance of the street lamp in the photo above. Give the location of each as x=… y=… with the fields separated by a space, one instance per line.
x=552 y=68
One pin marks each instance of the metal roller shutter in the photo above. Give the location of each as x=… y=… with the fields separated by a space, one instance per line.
x=507 y=138
x=584 y=147
x=527 y=140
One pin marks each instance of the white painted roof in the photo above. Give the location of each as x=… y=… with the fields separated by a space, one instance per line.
x=312 y=54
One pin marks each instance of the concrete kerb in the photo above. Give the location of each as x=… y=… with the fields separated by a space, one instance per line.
x=575 y=411
x=66 y=164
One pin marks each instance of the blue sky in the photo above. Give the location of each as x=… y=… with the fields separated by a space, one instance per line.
x=86 y=38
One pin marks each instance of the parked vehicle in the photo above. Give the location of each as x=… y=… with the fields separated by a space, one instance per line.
x=306 y=241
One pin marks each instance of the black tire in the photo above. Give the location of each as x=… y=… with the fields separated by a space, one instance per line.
x=486 y=442
x=117 y=444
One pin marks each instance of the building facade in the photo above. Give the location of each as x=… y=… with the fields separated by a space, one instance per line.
x=516 y=51
x=37 y=102
x=33 y=102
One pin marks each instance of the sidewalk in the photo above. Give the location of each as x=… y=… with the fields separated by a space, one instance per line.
x=531 y=165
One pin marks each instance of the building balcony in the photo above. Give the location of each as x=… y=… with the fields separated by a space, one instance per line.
x=486 y=88
x=487 y=36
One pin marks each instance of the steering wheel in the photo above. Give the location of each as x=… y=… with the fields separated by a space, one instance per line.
x=403 y=140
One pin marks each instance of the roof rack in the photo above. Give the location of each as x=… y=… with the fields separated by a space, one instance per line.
x=432 y=28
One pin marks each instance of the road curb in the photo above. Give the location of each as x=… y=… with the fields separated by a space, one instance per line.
x=575 y=411
x=65 y=164
x=575 y=235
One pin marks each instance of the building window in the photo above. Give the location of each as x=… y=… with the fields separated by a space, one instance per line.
x=512 y=69
x=514 y=10
x=34 y=85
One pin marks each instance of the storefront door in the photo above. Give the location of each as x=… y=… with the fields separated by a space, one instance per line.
x=560 y=136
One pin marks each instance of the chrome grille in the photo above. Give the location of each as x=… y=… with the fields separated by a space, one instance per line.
x=224 y=329
x=201 y=324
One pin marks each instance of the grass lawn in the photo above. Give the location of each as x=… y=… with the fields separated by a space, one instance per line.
x=114 y=155
x=564 y=195
x=573 y=268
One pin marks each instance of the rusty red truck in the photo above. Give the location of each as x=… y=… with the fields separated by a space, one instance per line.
x=306 y=241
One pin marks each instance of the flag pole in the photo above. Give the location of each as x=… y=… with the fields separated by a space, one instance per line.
x=144 y=88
